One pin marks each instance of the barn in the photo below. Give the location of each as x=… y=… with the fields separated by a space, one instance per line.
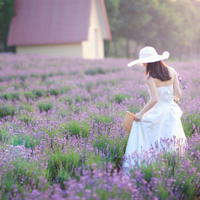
x=71 y=28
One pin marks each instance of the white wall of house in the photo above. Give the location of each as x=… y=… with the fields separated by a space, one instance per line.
x=94 y=47
x=68 y=50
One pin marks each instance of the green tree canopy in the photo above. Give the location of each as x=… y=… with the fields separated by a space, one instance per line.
x=6 y=14
x=164 y=24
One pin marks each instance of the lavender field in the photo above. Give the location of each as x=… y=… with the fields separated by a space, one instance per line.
x=61 y=135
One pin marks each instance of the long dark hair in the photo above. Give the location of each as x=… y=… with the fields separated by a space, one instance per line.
x=158 y=70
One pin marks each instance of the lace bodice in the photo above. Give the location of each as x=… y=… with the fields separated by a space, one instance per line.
x=165 y=94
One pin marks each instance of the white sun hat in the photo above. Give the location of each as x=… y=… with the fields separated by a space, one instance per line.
x=148 y=55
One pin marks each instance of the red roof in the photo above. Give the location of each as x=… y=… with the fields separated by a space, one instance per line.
x=52 y=22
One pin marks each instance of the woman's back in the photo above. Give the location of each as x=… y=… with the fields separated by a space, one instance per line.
x=160 y=83
x=173 y=81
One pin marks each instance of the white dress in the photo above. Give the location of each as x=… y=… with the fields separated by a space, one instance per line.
x=161 y=121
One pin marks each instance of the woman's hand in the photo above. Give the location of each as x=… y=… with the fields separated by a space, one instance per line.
x=176 y=99
x=138 y=117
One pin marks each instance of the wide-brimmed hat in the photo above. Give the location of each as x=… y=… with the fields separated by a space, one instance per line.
x=149 y=55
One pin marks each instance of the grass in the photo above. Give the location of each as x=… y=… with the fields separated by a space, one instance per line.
x=76 y=128
x=7 y=110
x=94 y=71
x=44 y=106
x=121 y=97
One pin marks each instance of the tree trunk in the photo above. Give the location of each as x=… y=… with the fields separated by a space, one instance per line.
x=115 y=48
x=136 y=50
x=107 y=48
x=127 y=48
x=2 y=48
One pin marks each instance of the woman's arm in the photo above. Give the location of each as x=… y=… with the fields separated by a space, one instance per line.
x=152 y=101
x=176 y=88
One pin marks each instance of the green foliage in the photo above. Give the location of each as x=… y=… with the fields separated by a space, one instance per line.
x=6 y=13
x=191 y=123
x=39 y=92
x=63 y=90
x=35 y=75
x=103 y=119
x=27 y=107
x=84 y=129
x=188 y=129
x=23 y=77
x=171 y=164
x=78 y=99
x=86 y=99
x=121 y=97
x=73 y=72
x=45 y=106
x=25 y=85
x=68 y=88
x=16 y=85
x=162 y=192
x=49 y=83
x=7 y=110
x=10 y=96
x=76 y=128
x=29 y=94
x=102 y=105
x=60 y=73
x=185 y=184
x=10 y=77
x=134 y=108
x=170 y=25
x=95 y=71
x=69 y=100
x=6 y=96
x=112 y=8
x=44 y=77
x=73 y=127
x=148 y=172
x=30 y=141
x=52 y=132
x=15 y=96
x=54 y=92
x=62 y=175
x=89 y=86
x=4 y=135
x=22 y=169
x=25 y=118
x=51 y=74
x=66 y=99
x=63 y=164
x=114 y=149
x=1 y=87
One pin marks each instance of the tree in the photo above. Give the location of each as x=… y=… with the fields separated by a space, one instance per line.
x=188 y=27
x=112 y=8
x=164 y=24
x=6 y=13
x=135 y=18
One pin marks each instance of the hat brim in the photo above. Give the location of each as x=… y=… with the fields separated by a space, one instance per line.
x=151 y=59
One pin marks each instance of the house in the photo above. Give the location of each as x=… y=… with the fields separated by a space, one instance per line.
x=71 y=28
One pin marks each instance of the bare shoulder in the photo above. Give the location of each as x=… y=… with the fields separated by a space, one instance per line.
x=172 y=70
x=149 y=80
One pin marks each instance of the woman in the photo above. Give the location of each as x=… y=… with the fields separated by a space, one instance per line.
x=160 y=117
